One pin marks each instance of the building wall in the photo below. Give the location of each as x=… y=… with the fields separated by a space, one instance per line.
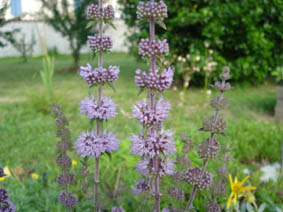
x=46 y=36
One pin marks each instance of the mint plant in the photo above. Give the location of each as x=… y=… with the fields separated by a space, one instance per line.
x=98 y=141
x=63 y=160
x=153 y=144
x=210 y=148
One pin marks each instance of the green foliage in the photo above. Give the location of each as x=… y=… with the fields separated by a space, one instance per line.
x=29 y=136
x=245 y=34
x=278 y=74
x=47 y=73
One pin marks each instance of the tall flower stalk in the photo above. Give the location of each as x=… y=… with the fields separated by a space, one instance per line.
x=63 y=160
x=210 y=148
x=153 y=144
x=101 y=108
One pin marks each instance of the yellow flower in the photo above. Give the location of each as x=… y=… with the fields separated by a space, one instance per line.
x=6 y=172
x=34 y=176
x=74 y=162
x=237 y=190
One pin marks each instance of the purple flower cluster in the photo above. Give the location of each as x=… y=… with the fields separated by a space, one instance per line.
x=117 y=209
x=63 y=160
x=106 y=14
x=6 y=205
x=104 y=111
x=146 y=166
x=153 y=145
x=142 y=186
x=156 y=10
x=154 y=80
x=99 y=75
x=68 y=200
x=154 y=48
x=89 y=144
x=99 y=44
x=193 y=176
x=65 y=179
x=147 y=116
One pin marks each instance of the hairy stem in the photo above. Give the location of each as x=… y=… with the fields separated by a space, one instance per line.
x=152 y=105
x=96 y=182
x=100 y=65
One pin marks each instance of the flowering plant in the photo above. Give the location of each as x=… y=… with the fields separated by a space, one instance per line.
x=153 y=144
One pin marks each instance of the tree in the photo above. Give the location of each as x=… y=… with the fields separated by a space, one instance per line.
x=71 y=22
x=6 y=35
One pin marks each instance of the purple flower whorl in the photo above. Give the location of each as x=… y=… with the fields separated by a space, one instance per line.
x=68 y=200
x=156 y=81
x=157 y=10
x=106 y=14
x=154 y=48
x=105 y=111
x=89 y=144
x=153 y=145
x=99 y=75
x=99 y=44
x=146 y=166
x=193 y=176
x=147 y=117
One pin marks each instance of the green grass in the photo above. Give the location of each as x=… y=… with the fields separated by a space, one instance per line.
x=27 y=135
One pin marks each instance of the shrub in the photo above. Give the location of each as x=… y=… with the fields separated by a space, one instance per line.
x=245 y=34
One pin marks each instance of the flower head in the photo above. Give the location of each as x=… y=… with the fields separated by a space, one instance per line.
x=154 y=80
x=89 y=144
x=68 y=200
x=146 y=166
x=34 y=176
x=154 y=48
x=74 y=162
x=5 y=173
x=193 y=176
x=212 y=206
x=237 y=189
x=65 y=179
x=142 y=186
x=209 y=149
x=147 y=116
x=3 y=195
x=153 y=145
x=117 y=209
x=106 y=14
x=100 y=44
x=99 y=75
x=104 y=111
x=156 y=10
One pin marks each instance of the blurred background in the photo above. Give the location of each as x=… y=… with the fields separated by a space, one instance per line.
x=43 y=43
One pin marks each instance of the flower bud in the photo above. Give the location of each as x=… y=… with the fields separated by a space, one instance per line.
x=209 y=149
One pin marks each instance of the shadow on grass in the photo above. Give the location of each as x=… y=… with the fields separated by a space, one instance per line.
x=261 y=104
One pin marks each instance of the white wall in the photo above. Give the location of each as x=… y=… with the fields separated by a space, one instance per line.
x=45 y=35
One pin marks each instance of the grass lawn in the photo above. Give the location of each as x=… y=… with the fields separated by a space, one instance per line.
x=27 y=135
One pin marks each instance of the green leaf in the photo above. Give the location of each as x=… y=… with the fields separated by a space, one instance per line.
x=111 y=24
x=141 y=91
x=111 y=86
x=250 y=207
x=161 y=23
x=90 y=24
x=109 y=155
x=262 y=207
x=90 y=89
